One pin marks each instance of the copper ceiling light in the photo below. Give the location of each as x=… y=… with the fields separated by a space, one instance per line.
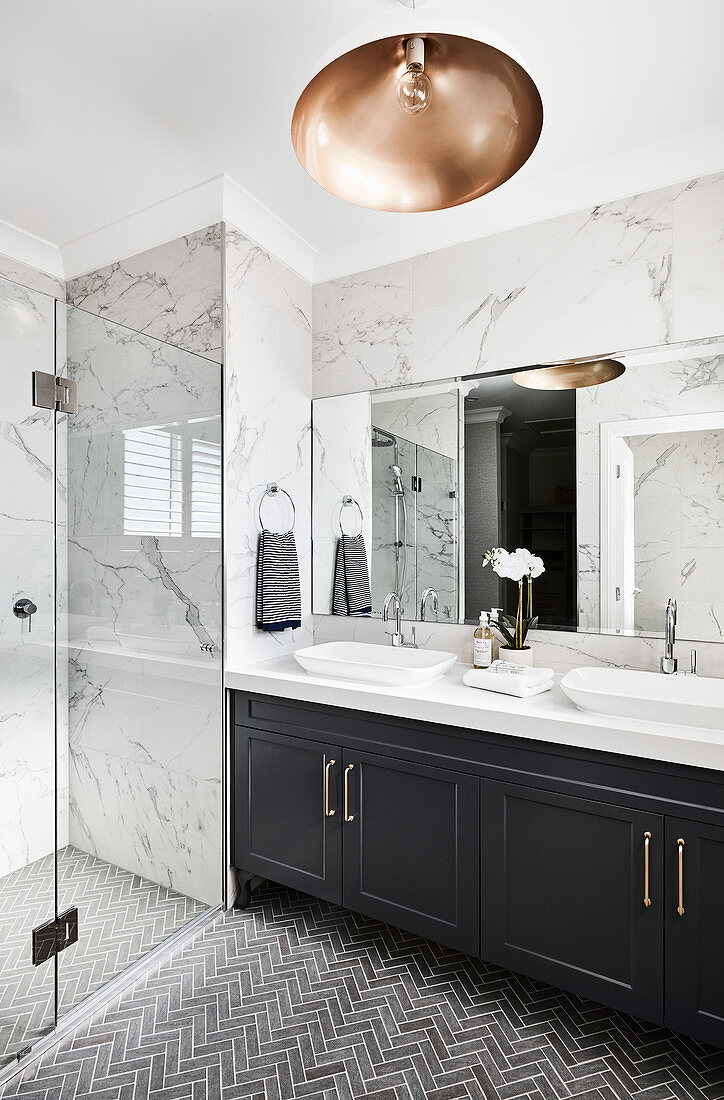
x=571 y=375
x=415 y=123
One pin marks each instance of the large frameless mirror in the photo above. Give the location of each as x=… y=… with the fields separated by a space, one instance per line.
x=617 y=486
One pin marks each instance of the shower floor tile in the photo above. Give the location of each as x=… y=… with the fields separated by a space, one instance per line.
x=295 y=997
x=122 y=916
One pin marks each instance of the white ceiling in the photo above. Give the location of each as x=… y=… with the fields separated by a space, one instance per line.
x=109 y=107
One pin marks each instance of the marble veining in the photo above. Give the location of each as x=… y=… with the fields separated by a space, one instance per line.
x=268 y=359
x=31 y=278
x=144 y=622
x=27 y=733
x=668 y=500
x=172 y=292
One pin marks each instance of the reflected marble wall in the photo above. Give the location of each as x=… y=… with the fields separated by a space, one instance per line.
x=268 y=361
x=144 y=609
x=679 y=531
x=672 y=388
x=172 y=292
x=430 y=419
x=342 y=461
x=27 y=667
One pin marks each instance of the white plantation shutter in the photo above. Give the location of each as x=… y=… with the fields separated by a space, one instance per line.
x=205 y=488
x=172 y=481
x=152 y=487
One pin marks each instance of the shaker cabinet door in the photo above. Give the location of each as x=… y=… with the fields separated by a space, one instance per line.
x=411 y=847
x=571 y=893
x=286 y=811
x=694 y=913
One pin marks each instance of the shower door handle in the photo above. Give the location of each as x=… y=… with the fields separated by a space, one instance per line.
x=25 y=609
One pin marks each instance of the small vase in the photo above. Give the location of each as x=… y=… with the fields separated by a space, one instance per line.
x=522 y=656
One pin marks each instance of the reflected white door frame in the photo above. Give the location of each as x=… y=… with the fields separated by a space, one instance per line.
x=617 y=596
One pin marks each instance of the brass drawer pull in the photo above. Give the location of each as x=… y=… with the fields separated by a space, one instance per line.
x=647 y=858
x=327 y=811
x=347 y=815
x=680 y=907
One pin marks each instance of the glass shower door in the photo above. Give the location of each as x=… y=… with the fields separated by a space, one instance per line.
x=139 y=623
x=27 y=673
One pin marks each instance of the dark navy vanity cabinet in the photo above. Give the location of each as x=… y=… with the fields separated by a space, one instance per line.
x=598 y=873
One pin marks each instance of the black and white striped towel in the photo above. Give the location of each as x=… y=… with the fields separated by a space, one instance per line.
x=278 y=594
x=351 y=578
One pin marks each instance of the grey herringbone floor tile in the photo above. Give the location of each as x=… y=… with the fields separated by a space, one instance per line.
x=122 y=916
x=295 y=998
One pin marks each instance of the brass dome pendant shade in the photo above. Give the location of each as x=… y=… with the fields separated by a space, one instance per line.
x=482 y=122
x=571 y=375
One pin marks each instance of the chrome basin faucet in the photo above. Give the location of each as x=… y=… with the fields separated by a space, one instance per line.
x=669 y=663
x=397 y=637
x=426 y=595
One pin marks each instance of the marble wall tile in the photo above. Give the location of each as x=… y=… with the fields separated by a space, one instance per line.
x=268 y=360
x=697 y=213
x=31 y=278
x=362 y=329
x=625 y=306
x=172 y=292
x=632 y=273
x=429 y=419
x=599 y=239
x=559 y=650
x=27 y=548
x=698 y=288
x=144 y=616
x=342 y=466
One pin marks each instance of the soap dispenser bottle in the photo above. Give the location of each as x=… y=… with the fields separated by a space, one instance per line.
x=483 y=643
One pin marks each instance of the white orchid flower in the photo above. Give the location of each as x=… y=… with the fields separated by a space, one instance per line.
x=533 y=565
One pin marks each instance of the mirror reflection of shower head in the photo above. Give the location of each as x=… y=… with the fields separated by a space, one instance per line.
x=397 y=488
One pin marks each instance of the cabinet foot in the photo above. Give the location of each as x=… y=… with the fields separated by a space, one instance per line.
x=243 y=896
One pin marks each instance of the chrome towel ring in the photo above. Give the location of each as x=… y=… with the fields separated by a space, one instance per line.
x=350 y=502
x=273 y=490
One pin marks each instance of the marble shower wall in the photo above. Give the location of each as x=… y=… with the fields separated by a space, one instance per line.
x=144 y=607
x=430 y=419
x=268 y=363
x=172 y=292
x=632 y=273
x=27 y=667
x=31 y=278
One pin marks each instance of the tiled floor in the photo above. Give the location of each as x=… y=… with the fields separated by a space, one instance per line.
x=121 y=917
x=297 y=998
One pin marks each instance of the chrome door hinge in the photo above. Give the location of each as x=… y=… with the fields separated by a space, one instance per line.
x=416 y=484
x=54 y=936
x=50 y=391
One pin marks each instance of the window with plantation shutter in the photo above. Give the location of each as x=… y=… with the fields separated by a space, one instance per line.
x=152 y=487
x=205 y=488
x=172 y=480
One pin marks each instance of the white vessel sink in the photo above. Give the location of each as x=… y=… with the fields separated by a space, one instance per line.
x=375 y=664
x=681 y=700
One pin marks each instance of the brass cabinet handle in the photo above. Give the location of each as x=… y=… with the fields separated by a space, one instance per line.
x=327 y=811
x=680 y=907
x=347 y=815
x=647 y=859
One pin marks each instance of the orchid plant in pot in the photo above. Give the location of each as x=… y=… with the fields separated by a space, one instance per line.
x=522 y=567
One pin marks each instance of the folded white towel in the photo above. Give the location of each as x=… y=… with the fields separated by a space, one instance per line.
x=527 y=674
x=508 y=683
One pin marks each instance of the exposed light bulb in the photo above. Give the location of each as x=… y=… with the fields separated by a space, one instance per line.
x=414 y=87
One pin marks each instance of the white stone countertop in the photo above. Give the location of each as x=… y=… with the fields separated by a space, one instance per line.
x=550 y=717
